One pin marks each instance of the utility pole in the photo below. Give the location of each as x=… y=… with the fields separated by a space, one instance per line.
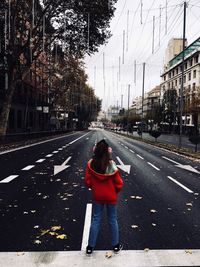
x=143 y=98
x=182 y=79
x=128 y=106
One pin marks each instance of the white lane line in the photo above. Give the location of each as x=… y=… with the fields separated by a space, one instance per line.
x=181 y=185
x=54 y=152
x=38 y=143
x=60 y=149
x=126 y=147
x=78 y=138
x=139 y=156
x=131 y=151
x=86 y=229
x=170 y=160
x=153 y=166
x=27 y=168
x=8 y=179
x=40 y=160
x=49 y=155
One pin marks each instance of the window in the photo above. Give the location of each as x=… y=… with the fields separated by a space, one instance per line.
x=176 y=70
x=193 y=86
x=194 y=73
x=164 y=77
x=169 y=74
x=191 y=62
x=175 y=82
x=173 y=73
x=196 y=59
x=179 y=80
x=184 y=79
x=186 y=66
x=189 y=87
x=189 y=76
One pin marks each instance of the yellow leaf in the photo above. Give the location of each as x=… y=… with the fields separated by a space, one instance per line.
x=44 y=232
x=188 y=251
x=63 y=236
x=108 y=254
x=55 y=228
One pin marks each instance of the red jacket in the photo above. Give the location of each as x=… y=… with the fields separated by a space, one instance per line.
x=104 y=186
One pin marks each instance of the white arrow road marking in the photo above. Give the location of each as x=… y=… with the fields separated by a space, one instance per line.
x=62 y=167
x=181 y=185
x=125 y=168
x=182 y=166
x=8 y=179
x=27 y=168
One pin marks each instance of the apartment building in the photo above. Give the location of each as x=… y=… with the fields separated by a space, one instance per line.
x=171 y=79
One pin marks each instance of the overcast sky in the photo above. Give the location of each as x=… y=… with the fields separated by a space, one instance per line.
x=139 y=45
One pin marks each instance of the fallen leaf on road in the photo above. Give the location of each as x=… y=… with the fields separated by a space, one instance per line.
x=37 y=242
x=44 y=232
x=63 y=236
x=53 y=233
x=55 y=228
x=153 y=211
x=134 y=226
x=108 y=254
x=20 y=253
x=189 y=204
x=188 y=251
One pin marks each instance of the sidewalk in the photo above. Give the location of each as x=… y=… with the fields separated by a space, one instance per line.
x=127 y=258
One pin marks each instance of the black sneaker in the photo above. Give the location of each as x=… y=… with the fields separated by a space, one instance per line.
x=89 y=250
x=117 y=248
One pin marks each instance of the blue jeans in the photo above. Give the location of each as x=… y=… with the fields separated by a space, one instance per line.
x=97 y=211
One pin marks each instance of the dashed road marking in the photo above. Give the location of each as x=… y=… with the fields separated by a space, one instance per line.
x=27 y=168
x=181 y=185
x=40 y=160
x=153 y=166
x=139 y=156
x=49 y=155
x=54 y=152
x=8 y=179
x=131 y=151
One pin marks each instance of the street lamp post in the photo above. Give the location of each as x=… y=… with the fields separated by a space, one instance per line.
x=182 y=78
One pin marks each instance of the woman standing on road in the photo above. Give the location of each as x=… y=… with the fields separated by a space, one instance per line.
x=103 y=177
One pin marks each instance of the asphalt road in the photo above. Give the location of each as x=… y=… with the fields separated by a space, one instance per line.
x=158 y=208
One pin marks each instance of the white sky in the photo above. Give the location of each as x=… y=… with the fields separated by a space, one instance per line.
x=139 y=46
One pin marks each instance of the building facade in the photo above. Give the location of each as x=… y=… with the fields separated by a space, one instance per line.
x=172 y=79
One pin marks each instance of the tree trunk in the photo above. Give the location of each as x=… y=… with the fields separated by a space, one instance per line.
x=4 y=115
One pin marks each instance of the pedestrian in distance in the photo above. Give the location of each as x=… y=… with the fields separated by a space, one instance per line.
x=103 y=177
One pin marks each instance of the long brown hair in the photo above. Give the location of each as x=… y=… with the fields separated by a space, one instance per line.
x=101 y=157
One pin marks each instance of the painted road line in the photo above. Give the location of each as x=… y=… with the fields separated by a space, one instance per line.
x=181 y=185
x=27 y=168
x=60 y=149
x=153 y=166
x=86 y=229
x=170 y=160
x=49 y=155
x=131 y=151
x=38 y=143
x=8 y=179
x=40 y=160
x=54 y=152
x=78 y=139
x=126 y=147
x=126 y=258
x=139 y=156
